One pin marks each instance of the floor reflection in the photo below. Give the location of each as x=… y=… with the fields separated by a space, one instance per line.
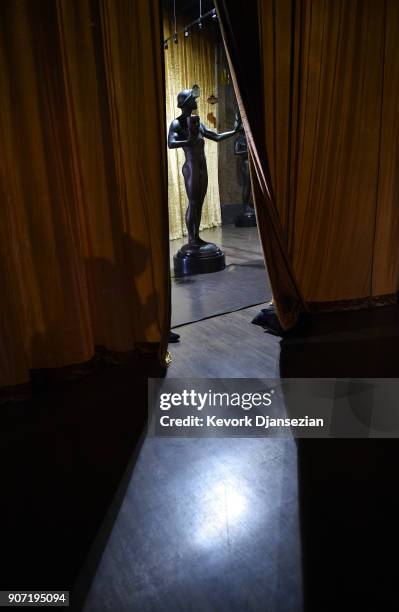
x=242 y=283
x=210 y=524
x=207 y=524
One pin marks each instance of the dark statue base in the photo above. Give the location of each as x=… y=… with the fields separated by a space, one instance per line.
x=198 y=259
x=246 y=219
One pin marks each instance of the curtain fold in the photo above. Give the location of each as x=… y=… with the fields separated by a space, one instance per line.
x=83 y=224
x=385 y=266
x=191 y=61
x=326 y=74
x=240 y=31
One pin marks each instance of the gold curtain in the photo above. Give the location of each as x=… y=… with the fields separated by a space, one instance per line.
x=242 y=45
x=331 y=83
x=83 y=224
x=191 y=61
x=324 y=146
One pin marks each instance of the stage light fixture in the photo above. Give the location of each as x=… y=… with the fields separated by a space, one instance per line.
x=175 y=38
x=165 y=45
x=186 y=33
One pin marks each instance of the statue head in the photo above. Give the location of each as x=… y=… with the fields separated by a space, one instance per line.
x=187 y=98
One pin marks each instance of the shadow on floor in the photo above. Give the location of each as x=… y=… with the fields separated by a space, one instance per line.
x=349 y=500
x=63 y=454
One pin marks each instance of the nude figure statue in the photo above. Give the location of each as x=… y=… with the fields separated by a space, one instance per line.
x=188 y=132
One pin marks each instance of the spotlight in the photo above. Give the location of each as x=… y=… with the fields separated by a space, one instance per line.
x=200 y=25
x=165 y=45
x=175 y=38
x=186 y=33
x=214 y=14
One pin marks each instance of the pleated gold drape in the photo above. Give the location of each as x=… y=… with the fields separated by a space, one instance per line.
x=191 y=61
x=331 y=83
x=239 y=23
x=83 y=224
x=324 y=145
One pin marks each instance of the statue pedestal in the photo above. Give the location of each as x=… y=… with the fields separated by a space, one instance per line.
x=198 y=259
x=246 y=219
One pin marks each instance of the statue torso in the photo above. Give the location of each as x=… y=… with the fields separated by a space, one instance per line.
x=194 y=151
x=242 y=146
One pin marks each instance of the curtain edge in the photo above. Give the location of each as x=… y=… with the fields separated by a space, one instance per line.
x=387 y=299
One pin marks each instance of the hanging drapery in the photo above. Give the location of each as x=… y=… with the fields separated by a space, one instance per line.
x=332 y=137
x=191 y=61
x=328 y=85
x=84 y=238
x=239 y=25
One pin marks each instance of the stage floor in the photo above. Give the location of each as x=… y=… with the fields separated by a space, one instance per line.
x=242 y=283
x=210 y=524
x=233 y=524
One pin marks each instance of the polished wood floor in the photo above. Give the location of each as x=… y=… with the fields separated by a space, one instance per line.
x=208 y=524
x=261 y=525
x=242 y=283
x=130 y=523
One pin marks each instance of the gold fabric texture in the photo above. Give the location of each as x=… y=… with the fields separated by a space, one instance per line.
x=323 y=145
x=331 y=98
x=191 y=61
x=242 y=53
x=83 y=224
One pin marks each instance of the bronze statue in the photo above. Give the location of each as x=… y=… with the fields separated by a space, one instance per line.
x=187 y=132
x=247 y=218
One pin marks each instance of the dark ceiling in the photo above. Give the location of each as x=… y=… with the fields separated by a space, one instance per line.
x=189 y=9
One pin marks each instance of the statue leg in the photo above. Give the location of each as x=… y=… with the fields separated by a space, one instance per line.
x=246 y=183
x=191 y=216
x=196 y=183
x=202 y=189
x=246 y=188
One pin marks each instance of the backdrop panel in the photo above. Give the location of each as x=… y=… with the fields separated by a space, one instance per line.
x=192 y=60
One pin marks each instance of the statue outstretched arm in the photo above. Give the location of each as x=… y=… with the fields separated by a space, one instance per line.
x=174 y=138
x=215 y=136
